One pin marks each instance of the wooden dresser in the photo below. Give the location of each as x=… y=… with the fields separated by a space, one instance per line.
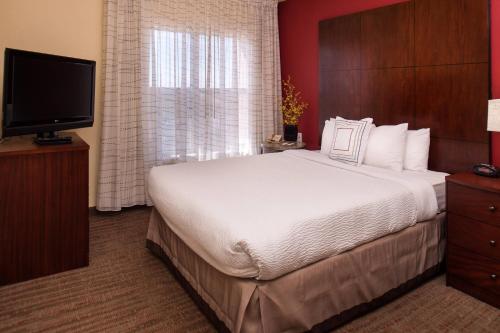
x=44 y=222
x=473 y=251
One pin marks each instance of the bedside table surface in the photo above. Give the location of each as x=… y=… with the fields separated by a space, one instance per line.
x=280 y=147
x=470 y=179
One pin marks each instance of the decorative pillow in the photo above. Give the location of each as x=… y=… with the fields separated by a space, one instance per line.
x=417 y=150
x=327 y=136
x=386 y=147
x=349 y=142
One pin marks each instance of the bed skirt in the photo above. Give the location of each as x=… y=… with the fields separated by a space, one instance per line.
x=318 y=297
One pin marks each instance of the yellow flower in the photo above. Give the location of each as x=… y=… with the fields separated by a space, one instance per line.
x=292 y=106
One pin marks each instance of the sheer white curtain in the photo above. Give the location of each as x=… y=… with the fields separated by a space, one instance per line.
x=184 y=80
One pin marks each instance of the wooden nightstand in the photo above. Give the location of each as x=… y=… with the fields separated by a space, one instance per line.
x=473 y=250
x=268 y=147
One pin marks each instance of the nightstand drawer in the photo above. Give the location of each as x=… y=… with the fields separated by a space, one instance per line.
x=473 y=235
x=473 y=203
x=474 y=269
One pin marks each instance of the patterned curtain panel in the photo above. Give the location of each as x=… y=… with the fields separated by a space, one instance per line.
x=184 y=80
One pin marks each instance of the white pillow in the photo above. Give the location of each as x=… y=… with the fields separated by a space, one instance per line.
x=386 y=147
x=417 y=150
x=350 y=138
x=327 y=136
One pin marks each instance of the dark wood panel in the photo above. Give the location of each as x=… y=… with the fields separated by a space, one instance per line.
x=451 y=31
x=340 y=95
x=449 y=99
x=476 y=31
x=477 y=270
x=455 y=155
x=43 y=211
x=478 y=204
x=340 y=40
x=387 y=95
x=387 y=37
x=453 y=101
x=481 y=238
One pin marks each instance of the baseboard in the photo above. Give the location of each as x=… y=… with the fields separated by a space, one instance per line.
x=93 y=211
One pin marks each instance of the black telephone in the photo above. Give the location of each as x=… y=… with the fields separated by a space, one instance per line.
x=486 y=170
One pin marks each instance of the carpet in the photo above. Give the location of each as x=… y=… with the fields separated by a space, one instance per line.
x=127 y=289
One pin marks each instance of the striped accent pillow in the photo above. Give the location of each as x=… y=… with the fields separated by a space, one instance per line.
x=350 y=138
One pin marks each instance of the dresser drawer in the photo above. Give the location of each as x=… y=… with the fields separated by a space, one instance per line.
x=474 y=269
x=473 y=235
x=473 y=203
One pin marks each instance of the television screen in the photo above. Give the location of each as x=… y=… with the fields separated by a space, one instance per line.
x=46 y=93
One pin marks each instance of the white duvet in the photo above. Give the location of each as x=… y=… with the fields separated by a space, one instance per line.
x=267 y=215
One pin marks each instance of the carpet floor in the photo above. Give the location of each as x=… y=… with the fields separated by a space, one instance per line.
x=127 y=289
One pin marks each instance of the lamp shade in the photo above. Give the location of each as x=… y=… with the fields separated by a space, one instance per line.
x=494 y=115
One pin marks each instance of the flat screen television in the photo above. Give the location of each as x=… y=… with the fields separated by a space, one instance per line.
x=46 y=93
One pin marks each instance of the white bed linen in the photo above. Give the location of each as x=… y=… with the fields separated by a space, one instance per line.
x=264 y=216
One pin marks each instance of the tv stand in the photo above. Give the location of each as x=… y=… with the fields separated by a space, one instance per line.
x=51 y=138
x=44 y=211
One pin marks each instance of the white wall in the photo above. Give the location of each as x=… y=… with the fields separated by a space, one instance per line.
x=64 y=27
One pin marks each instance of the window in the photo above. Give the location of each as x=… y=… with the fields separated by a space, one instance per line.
x=185 y=60
x=209 y=73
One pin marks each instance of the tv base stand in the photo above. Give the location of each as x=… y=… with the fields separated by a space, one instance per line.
x=52 y=138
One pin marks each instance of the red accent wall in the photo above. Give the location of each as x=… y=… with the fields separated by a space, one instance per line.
x=495 y=69
x=298 y=25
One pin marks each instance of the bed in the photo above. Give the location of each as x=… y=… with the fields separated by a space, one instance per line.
x=295 y=241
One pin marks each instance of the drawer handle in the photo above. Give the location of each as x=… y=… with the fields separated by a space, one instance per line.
x=493 y=243
x=492 y=208
x=493 y=276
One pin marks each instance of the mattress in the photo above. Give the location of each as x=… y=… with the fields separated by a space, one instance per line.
x=264 y=216
x=438 y=182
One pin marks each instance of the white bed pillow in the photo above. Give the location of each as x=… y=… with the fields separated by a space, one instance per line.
x=386 y=147
x=350 y=138
x=417 y=150
x=327 y=136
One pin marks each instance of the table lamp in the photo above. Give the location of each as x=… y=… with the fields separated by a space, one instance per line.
x=494 y=115
x=493 y=126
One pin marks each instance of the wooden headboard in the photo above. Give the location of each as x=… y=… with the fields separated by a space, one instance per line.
x=424 y=62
